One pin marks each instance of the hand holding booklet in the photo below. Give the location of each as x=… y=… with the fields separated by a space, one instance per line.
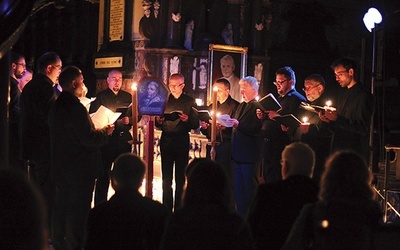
x=103 y=116
x=172 y=115
x=289 y=120
x=269 y=102
x=225 y=120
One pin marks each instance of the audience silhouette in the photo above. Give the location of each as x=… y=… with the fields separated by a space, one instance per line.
x=277 y=204
x=346 y=215
x=206 y=220
x=128 y=220
x=23 y=223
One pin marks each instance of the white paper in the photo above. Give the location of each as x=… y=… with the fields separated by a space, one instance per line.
x=225 y=120
x=103 y=116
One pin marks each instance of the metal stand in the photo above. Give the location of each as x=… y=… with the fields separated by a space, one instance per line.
x=386 y=188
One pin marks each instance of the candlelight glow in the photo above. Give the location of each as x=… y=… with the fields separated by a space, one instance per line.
x=212 y=112
x=328 y=103
x=215 y=89
x=134 y=86
x=199 y=101
x=257 y=98
x=218 y=114
x=305 y=119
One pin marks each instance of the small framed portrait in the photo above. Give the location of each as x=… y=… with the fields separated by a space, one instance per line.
x=227 y=62
x=152 y=96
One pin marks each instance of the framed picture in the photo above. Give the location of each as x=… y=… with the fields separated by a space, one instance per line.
x=152 y=96
x=227 y=62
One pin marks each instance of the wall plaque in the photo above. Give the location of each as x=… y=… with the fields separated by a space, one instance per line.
x=117 y=14
x=108 y=62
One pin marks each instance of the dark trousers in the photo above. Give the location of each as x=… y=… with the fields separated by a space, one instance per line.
x=272 y=151
x=70 y=215
x=245 y=185
x=39 y=173
x=109 y=153
x=224 y=157
x=174 y=149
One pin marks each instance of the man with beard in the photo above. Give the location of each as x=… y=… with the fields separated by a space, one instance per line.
x=352 y=118
x=277 y=136
x=17 y=70
x=112 y=98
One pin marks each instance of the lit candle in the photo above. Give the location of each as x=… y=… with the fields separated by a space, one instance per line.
x=134 y=113
x=257 y=98
x=214 y=116
x=328 y=106
x=328 y=103
x=199 y=101
x=305 y=120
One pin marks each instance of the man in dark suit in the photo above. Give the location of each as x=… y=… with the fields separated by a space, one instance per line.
x=351 y=120
x=277 y=204
x=35 y=102
x=245 y=145
x=174 y=142
x=75 y=160
x=315 y=132
x=128 y=220
x=113 y=98
x=225 y=105
x=276 y=136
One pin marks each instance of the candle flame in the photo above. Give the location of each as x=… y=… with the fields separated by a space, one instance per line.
x=134 y=86
x=257 y=98
x=218 y=114
x=215 y=89
x=328 y=103
x=305 y=119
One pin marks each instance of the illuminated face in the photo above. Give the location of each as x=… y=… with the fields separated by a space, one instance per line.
x=176 y=86
x=247 y=91
x=26 y=77
x=222 y=93
x=283 y=85
x=79 y=86
x=343 y=77
x=313 y=90
x=19 y=68
x=55 y=71
x=227 y=67
x=152 y=90
x=114 y=80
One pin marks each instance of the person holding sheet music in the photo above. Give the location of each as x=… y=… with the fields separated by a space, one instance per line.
x=75 y=160
x=174 y=141
x=246 y=151
x=315 y=132
x=113 y=98
x=226 y=105
x=277 y=136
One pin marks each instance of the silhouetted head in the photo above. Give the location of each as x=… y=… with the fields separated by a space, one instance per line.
x=128 y=172
x=297 y=159
x=207 y=184
x=346 y=176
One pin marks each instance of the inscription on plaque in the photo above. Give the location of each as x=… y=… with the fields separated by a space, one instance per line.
x=108 y=62
x=117 y=10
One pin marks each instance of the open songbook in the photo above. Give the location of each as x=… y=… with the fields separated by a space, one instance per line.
x=172 y=115
x=315 y=108
x=288 y=120
x=204 y=114
x=269 y=102
x=103 y=116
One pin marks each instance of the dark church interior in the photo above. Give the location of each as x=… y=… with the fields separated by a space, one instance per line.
x=307 y=35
